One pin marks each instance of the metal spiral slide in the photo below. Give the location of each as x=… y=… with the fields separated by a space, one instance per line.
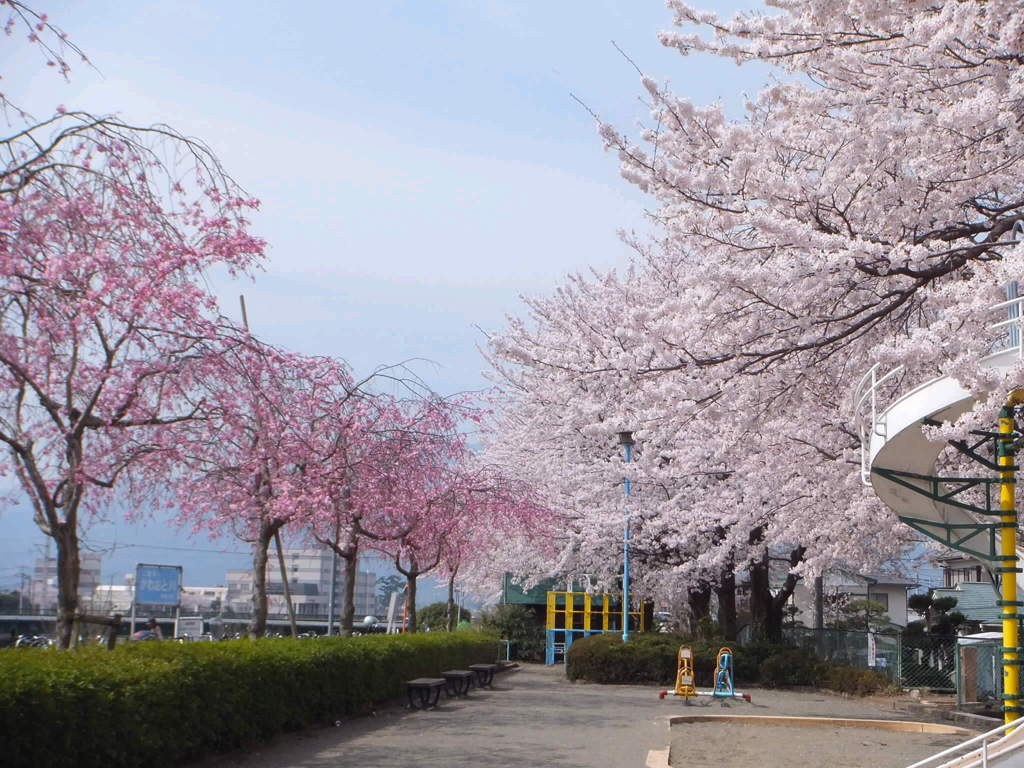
x=972 y=514
x=898 y=461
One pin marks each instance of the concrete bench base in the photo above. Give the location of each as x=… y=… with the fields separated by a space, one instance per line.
x=458 y=682
x=484 y=674
x=427 y=691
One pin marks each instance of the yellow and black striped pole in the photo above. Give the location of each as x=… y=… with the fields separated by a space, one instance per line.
x=1007 y=559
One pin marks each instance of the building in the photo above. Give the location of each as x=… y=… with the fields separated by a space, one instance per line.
x=195 y=601
x=843 y=585
x=202 y=601
x=958 y=569
x=976 y=600
x=309 y=581
x=42 y=589
x=112 y=598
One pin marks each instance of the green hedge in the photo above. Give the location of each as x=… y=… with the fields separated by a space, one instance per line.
x=159 y=704
x=651 y=658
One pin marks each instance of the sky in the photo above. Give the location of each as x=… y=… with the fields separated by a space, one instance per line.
x=421 y=166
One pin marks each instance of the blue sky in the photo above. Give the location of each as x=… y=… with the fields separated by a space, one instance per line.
x=421 y=165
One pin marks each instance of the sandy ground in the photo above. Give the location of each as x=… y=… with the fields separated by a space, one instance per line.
x=700 y=745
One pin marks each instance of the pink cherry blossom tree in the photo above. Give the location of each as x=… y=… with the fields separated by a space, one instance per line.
x=247 y=466
x=365 y=461
x=105 y=232
x=102 y=248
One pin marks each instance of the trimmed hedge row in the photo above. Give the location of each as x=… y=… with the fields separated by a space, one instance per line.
x=651 y=658
x=159 y=704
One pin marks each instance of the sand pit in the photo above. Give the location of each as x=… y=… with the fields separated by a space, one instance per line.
x=700 y=745
x=774 y=742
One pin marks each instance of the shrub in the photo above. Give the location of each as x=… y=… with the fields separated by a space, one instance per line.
x=434 y=617
x=859 y=682
x=651 y=658
x=159 y=704
x=604 y=658
x=519 y=625
x=790 y=667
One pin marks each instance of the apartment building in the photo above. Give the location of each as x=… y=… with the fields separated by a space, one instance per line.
x=309 y=581
x=42 y=589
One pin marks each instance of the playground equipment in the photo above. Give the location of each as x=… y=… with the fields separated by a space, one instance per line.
x=572 y=615
x=723 y=677
x=899 y=462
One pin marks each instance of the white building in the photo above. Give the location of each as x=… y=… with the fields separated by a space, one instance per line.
x=112 y=598
x=309 y=581
x=888 y=590
x=42 y=589
x=202 y=600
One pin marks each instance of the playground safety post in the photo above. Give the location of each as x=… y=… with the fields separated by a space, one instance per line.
x=1007 y=567
x=626 y=441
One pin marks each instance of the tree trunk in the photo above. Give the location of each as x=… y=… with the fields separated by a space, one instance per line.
x=348 y=597
x=726 y=593
x=258 y=620
x=766 y=609
x=68 y=573
x=453 y=619
x=410 y=580
x=698 y=599
x=760 y=597
x=781 y=597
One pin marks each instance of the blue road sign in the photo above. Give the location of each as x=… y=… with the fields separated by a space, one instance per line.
x=157 y=584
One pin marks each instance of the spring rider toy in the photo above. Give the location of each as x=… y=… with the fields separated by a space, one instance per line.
x=723 y=678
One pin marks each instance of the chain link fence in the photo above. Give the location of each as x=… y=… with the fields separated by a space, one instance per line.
x=972 y=669
x=929 y=661
x=865 y=650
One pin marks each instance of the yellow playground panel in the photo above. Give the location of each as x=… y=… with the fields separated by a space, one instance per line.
x=572 y=615
x=685 y=681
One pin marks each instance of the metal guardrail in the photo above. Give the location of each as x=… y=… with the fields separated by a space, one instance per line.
x=982 y=740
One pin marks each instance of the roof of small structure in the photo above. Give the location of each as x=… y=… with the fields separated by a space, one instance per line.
x=975 y=600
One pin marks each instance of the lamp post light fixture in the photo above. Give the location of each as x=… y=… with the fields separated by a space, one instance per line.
x=626 y=441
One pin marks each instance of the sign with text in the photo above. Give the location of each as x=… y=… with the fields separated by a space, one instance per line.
x=189 y=625
x=157 y=584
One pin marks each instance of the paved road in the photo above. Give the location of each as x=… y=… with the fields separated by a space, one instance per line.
x=534 y=718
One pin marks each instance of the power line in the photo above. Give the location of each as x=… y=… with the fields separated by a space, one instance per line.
x=125 y=545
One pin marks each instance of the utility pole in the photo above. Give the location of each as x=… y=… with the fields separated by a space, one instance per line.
x=21 y=590
x=334 y=588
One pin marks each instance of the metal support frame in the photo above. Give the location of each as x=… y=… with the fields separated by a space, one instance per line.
x=999 y=536
x=1008 y=557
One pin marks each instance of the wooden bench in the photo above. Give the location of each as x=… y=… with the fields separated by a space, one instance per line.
x=427 y=690
x=484 y=674
x=457 y=682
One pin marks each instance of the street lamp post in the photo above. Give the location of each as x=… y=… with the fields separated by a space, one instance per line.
x=626 y=441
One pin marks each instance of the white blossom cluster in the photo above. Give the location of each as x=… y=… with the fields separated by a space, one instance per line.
x=860 y=212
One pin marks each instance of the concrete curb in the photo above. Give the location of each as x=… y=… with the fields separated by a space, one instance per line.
x=979 y=722
x=904 y=726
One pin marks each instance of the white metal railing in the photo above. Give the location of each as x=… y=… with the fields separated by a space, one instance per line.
x=867 y=392
x=1012 y=323
x=981 y=740
x=865 y=395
